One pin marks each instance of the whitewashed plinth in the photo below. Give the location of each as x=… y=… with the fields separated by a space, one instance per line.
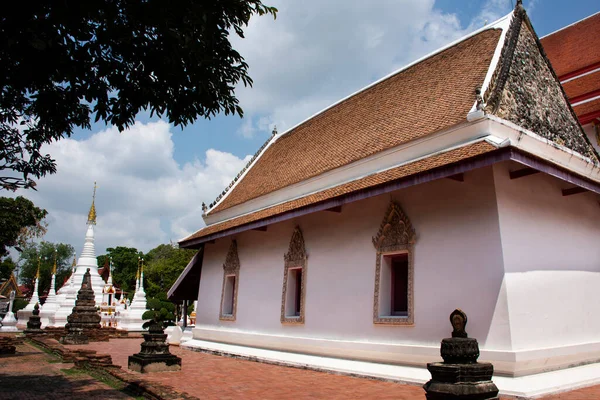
x=174 y=335
x=9 y=323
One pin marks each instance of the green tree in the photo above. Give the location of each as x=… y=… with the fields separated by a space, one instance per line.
x=20 y=221
x=46 y=252
x=160 y=311
x=125 y=265
x=7 y=266
x=164 y=264
x=62 y=62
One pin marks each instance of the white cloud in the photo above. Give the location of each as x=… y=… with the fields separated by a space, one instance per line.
x=144 y=197
x=316 y=52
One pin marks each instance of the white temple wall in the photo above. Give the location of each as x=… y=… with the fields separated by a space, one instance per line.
x=552 y=263
x=457 y=263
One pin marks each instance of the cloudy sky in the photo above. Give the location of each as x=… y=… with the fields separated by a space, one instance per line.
x=153 y=177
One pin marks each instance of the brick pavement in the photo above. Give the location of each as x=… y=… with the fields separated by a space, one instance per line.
x=32 y=374
x=214 y=377
x=209 y=376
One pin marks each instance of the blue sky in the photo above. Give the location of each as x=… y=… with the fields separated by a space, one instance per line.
x=153 y=177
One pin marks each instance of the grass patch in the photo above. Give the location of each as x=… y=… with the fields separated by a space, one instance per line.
x=72 y=371
x=55 y=358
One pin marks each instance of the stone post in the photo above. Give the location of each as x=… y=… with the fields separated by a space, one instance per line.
x=34 y=325
x=460 y=376
x=155 y=355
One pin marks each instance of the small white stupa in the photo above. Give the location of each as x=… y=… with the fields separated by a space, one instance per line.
x=66 y=297
x=132 y=317
x=9 y=322
x=24 y=314
x=51 y=305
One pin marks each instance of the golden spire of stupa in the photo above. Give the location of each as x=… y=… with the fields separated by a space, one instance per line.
x=54 y=268
x=137 y=275
x=74 y=260
x=92 y=213
x=37 y=274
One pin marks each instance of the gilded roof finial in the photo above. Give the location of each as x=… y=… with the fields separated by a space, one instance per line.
x=54 y=269
x=92 y=213
x=74 y=260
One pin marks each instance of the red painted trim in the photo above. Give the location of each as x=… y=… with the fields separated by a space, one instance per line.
x=580 y=71
x=585 y=96
x=589 y=117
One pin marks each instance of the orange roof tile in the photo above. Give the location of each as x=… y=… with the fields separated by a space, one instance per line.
x=432 y=95
x=575 y=46
x=406 y=170
x=587 y=108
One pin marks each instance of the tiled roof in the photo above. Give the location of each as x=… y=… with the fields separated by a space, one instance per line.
x=574 y=52
x=403 y=171
x=432 y=95
x=575 y=46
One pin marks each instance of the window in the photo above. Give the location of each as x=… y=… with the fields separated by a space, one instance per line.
x=229 y=295
x=294 y=281
x=393 y=296
x=393 y=293
x=231 y=277
x=293 y=301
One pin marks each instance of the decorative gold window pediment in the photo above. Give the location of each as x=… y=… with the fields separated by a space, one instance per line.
x=394 y=266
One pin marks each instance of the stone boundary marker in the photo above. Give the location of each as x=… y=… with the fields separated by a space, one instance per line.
x=89 y=359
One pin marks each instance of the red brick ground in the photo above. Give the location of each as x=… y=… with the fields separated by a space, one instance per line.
x=214 y=377
x=30 y=375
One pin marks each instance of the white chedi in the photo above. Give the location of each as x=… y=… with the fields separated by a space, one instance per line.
x=51 y=305
x=132 y=318
x=66 y=302
x=24 y=314
x=67 y=296
x=9 y=322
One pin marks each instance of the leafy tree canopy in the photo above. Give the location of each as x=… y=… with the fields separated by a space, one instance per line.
x=20 y=221
x=63 y=61
x=7 y=266
x=46 y=252
x=163 y=265
x=125 y=265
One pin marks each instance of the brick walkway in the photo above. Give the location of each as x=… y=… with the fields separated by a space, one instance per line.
x=34 y=375
x=214 y=377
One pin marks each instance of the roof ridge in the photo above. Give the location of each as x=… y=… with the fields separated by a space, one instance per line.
x=240 y=174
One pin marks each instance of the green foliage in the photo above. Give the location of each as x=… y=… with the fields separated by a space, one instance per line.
x=112 y=59
x=20 y=220
x=160 y=312
x=7 y=266
x=45 y=251
x=125 y=265
x=19 y=304
x=164 y=264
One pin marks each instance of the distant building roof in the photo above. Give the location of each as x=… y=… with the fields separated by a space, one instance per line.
x=574 y=52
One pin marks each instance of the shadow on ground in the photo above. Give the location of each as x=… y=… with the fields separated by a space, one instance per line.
x=55 y=387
